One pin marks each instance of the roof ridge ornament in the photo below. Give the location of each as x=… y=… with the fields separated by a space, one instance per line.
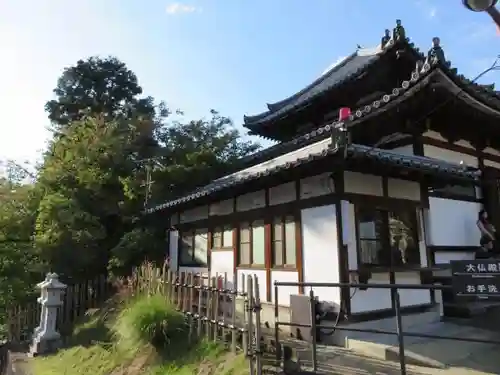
x=436 y=53
x=399 y=32
x=385 y=39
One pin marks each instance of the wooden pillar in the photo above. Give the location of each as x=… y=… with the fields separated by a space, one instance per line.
x=491 y=197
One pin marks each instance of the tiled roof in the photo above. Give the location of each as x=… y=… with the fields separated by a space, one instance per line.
x=312 y=146
x=485 y=94
x=356 y=64
x=309 y=146
x=348 y=68
x=358 y=115
x=318 y=151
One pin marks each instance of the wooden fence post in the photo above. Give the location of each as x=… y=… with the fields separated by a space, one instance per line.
x=234 y=331
x=258 y=329
x=199 y=286
x=250 y=327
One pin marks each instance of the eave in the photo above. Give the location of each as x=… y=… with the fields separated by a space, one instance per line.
x=322 y=150
x=296 y=153
x=477 y=96
x=350 y=69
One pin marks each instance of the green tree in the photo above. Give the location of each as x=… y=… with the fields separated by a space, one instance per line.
x=103 y=86
x=193 y=153
x=92 y=181
x=196 y=152
x=87 y=203
x=20 y=265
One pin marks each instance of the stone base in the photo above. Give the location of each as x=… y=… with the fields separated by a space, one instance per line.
x=40 y=347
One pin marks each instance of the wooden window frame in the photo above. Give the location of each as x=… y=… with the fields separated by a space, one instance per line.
x=250 y=221
x=296 y=222
x=267 y=216
x=385 y=233
x=192 y=231
x=450 y=194
x=221 y=228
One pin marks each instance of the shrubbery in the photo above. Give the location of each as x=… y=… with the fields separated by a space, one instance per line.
x=150 y=320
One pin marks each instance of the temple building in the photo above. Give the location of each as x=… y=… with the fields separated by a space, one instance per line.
x=381 y=167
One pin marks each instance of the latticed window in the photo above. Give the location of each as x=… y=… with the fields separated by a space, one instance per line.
x=222 y=237
x=387 y=237
x=284 y=242
x=194 y=247
x=252 y=243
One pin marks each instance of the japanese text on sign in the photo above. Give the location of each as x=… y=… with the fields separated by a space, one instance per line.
x=476 y=278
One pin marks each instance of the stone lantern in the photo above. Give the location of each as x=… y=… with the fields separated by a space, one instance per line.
x=45 y=337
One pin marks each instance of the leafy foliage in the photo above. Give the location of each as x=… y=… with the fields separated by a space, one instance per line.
x=150 y=320
x=20 y=266
x=75 y=213
x=98 y=86
x=133 y=248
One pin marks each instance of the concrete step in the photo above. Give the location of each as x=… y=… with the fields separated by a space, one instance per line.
x=459 y=309
x=432 y=353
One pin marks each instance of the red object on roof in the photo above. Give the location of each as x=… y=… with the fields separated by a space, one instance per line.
x=344 y=113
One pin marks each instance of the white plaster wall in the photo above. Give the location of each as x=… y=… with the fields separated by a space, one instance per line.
x=197 y=213
x=452 y=223
x=225 y=207
x=403 y=189
x=413 y=297
x=349 y=234
x=360 y=183
x=380 y=299
x=444 y=257
x=174 y=219
x=435 y=135
x=282 y=193
x=422 y=245
x=371 y=299
x=320 y=250
x=261 y=279
x=491 y=151
x=250 y=201
x=491 y=163
x=405 y=150
x=284 y=292
x=450 y=156
x=173 y=241
x=315 y=186
x=221 y=264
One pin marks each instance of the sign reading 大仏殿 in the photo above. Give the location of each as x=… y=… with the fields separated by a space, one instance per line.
x=476 y=278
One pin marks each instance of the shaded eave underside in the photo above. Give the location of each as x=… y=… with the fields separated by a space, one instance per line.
x=420 y=164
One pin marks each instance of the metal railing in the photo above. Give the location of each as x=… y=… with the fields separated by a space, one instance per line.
x=396 y=303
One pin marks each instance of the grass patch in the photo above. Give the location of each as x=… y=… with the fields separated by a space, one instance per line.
x=145 y=335
x=150 y=320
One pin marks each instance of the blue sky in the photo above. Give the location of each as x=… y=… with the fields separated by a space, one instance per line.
x=230 y=55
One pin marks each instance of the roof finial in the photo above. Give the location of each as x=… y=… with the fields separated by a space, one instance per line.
x=399 y=33
x=385 y=39
x=436 y=53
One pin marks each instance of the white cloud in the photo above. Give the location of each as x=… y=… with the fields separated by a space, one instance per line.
x=176 y=8
x=428 y=8
x=432 y=12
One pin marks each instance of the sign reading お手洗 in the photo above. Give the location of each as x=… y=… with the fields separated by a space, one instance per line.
x=476 y=278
